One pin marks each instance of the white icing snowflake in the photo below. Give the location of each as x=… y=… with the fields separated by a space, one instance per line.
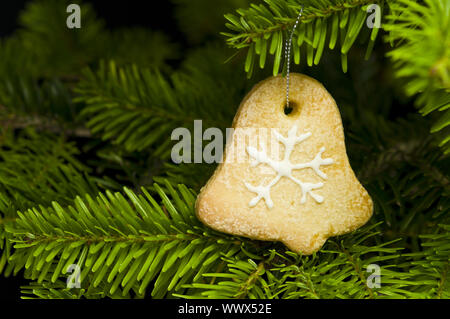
x=285 y=168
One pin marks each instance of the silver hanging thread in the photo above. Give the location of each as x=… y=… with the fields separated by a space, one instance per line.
x=287 y=54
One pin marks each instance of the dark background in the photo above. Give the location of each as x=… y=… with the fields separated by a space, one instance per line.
x=115 y=14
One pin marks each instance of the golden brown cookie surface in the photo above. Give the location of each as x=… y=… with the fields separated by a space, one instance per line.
x=286 y=177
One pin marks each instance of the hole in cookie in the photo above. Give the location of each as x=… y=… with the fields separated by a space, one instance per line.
x=292 y=109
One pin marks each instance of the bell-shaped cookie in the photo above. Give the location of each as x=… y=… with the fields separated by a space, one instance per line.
x=286 y=177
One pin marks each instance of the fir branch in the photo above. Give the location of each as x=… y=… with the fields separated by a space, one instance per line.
x=36 y=169
x=242 y=280
x=263 y=28
x=405 y=174
x=414 y=27
x=337 y=271
x=23 y=96
x=431 y=266
x=41 y=62
x=138 y=108
x=42 y=168
x=133 y=107
x=120 y=241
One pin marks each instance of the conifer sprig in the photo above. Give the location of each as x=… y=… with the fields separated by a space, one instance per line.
x=139 y=108
x=413 y=27
x=262 y=30
x=345 y=268
x=120 y=241
x=36 y=169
